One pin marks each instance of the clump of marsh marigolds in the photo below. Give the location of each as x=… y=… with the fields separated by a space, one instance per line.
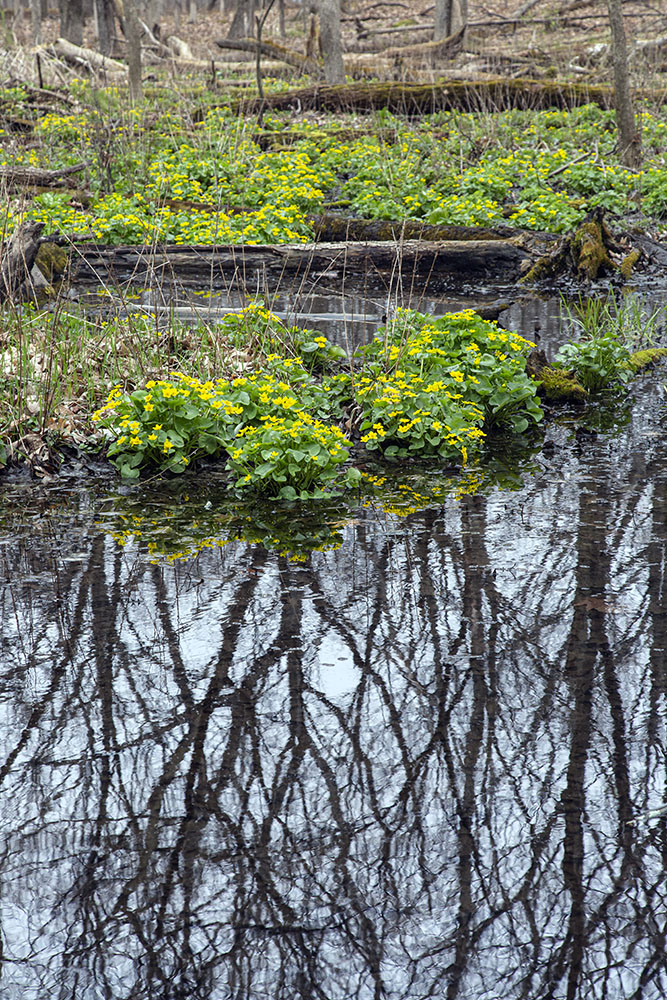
x=426 y=388
x=434 y=387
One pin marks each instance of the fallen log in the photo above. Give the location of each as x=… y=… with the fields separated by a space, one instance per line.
x=438 y=263
x=82 y=56
x=446 y=95
x=443 y=48
x=23 y=176
x=334 y=228
x=17 y=258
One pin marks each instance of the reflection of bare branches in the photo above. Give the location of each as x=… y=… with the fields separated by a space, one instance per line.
x=402 y=770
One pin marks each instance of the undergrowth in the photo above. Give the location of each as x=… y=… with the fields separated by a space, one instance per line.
x=195 y=174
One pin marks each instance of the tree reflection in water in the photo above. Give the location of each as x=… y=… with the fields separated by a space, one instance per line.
x=405 y=769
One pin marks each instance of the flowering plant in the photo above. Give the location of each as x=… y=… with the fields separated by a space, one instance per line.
x=289 y=456
x=167 y=423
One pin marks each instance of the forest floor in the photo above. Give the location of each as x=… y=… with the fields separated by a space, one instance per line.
x=552 y=39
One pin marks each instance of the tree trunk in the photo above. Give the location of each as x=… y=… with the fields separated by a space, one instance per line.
x=450 y=17
x=330 y=36
x=243 y=22
x=105 y=26
x=36 y=21
x=133 y=35
x=71 y=21
x=629 y=141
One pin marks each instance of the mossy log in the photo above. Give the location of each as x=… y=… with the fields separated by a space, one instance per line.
x=588 y=254
x=447 y=95
x=643 y=359
x=17 y=258
x=443 y=48
x=554 y=384
x=561 y=386
x=332 y=228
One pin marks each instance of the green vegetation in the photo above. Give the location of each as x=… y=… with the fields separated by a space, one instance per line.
x=156 y=174
x=615 y=341
x=426 y=389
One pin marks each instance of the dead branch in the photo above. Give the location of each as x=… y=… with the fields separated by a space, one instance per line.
x=272 y=50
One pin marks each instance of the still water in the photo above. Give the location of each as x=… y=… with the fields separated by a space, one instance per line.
x=414 y=761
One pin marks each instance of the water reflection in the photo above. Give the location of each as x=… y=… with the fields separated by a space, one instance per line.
x=403 y=767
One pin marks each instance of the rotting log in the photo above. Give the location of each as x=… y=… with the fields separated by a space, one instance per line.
x=470 y=255
x=495 y=94
x=590 y=253
x=82 y=56
x=442 y=48
x=17 y=258
x=439 y=263
x=22 y=176
x=335 y=228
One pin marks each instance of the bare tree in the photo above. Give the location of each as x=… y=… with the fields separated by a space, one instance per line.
x=629 y=140
x=132 y=29
x=103 y=12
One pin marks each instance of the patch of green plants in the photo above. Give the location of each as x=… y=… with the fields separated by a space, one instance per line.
x=443 y=384
x=426 y=388
x=611 y=336
x=293 y=457
x=166 y=174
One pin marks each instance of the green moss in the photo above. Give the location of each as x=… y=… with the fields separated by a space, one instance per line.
x=641 y=359
x=628 y=263
x=558 y=384
x=52 y=261
x=589 y=251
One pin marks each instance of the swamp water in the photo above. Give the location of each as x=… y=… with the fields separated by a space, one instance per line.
x=417 y=760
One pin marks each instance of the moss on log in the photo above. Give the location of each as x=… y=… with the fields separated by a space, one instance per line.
x=417 y=98
x=560 y=386
x=333 y=228
x=52 y=261
x=589 y=251
x=642 y=359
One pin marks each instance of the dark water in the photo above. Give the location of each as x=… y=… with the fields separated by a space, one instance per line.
x=413 y=763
